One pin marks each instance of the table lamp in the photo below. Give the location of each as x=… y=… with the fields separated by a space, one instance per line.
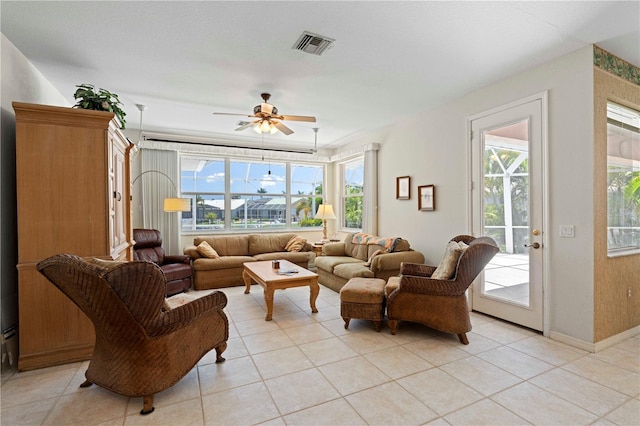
x=325 y=211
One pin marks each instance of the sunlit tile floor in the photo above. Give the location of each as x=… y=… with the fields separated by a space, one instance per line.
x=304 y=368
x=506 y=276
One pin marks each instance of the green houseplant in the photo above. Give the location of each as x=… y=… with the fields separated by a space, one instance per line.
x=102 y=100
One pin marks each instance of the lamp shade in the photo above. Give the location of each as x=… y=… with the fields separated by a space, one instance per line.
x=177 y=204
x=325 y=211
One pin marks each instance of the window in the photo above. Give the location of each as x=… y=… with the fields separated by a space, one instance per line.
x=234 y=194
x=623 y=179
x=307 y=191
x=352 y=193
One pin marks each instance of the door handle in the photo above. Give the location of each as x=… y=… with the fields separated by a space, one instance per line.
x=534 y=245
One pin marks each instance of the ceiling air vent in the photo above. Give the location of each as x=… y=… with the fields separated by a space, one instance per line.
x=313 y=43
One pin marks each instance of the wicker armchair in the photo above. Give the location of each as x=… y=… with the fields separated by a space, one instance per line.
x=140 y=349
x=439 y=304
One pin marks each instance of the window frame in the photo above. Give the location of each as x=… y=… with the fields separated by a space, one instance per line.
x=191 y=226
x=619 y=123
x=343 y=195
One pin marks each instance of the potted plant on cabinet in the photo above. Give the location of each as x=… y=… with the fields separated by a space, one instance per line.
x=102 y=100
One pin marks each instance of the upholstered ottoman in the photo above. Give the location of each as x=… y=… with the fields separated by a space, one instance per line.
x=363 y=298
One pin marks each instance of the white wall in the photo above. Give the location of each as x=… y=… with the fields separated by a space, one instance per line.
x=22 y=82
x=432 y=149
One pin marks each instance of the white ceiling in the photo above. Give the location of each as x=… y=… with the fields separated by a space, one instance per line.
x=390 y=60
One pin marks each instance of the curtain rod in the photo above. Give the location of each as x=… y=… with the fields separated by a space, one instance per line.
x=297 y=151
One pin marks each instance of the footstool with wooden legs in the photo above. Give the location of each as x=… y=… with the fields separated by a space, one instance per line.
x=363 y=298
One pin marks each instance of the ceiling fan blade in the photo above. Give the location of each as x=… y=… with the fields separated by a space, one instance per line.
x=299 y=118
x=231 y=113
x=284 y=129
x=246 y=125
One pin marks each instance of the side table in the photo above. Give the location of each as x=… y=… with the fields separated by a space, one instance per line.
x=317 y=249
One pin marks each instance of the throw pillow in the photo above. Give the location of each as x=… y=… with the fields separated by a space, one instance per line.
x=177 y=300
x=207 y=251
x=106 y=263
x=374 y=254
x=447 y=267
x=295 y=244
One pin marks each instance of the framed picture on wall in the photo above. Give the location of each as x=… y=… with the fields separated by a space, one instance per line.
x=403 y=188
x=427 y=197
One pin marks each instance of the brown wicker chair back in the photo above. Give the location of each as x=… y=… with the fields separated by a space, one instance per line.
x=440 y=304
x=140 y=349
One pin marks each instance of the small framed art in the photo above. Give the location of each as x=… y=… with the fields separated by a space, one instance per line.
x=427 y=197
x=403 y=188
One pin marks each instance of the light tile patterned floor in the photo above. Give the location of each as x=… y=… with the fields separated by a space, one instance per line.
x=304 y=368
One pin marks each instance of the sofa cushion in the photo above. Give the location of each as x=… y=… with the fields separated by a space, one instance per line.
x=223 y=262
x=352 y=270
x=205 y=250
x=294 y=256
x=296 y=243
x=358 y=251
x=328 y=263
x=334 y=249
x=229 y=245
x=268 y=243
x=447 y=267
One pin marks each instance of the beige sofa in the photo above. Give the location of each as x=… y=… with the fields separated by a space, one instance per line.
x=234 y=251
x=353 y=258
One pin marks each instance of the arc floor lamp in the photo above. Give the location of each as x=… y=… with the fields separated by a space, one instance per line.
x=170 y=204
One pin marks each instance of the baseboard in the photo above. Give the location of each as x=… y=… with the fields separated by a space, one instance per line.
x=597 y=346
x=610 y=341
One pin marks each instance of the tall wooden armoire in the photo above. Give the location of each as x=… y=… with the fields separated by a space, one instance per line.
x=73 y=174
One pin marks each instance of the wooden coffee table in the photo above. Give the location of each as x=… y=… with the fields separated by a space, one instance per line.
x=269 y=279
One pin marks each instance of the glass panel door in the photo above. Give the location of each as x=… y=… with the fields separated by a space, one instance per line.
x=508 y=206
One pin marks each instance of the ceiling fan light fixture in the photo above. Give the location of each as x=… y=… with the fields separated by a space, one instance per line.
x=264 y=113
x=265 y=126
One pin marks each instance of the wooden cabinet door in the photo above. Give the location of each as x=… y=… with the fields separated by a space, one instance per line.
x=119 y=206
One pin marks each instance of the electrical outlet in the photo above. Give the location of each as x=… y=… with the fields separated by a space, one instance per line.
x=567 y=231
x=629 y=292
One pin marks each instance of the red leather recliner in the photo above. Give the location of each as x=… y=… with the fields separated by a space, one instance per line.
x=176 y=268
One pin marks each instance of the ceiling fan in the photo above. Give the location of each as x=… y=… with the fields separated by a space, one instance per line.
x=267 y=118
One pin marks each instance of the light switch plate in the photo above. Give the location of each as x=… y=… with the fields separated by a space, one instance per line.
x=567 y=231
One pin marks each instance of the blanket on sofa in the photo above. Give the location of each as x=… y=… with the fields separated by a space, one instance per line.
x=368 y=239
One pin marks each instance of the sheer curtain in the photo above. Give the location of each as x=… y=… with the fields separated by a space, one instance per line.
x=370 y=196
x=155 y=188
